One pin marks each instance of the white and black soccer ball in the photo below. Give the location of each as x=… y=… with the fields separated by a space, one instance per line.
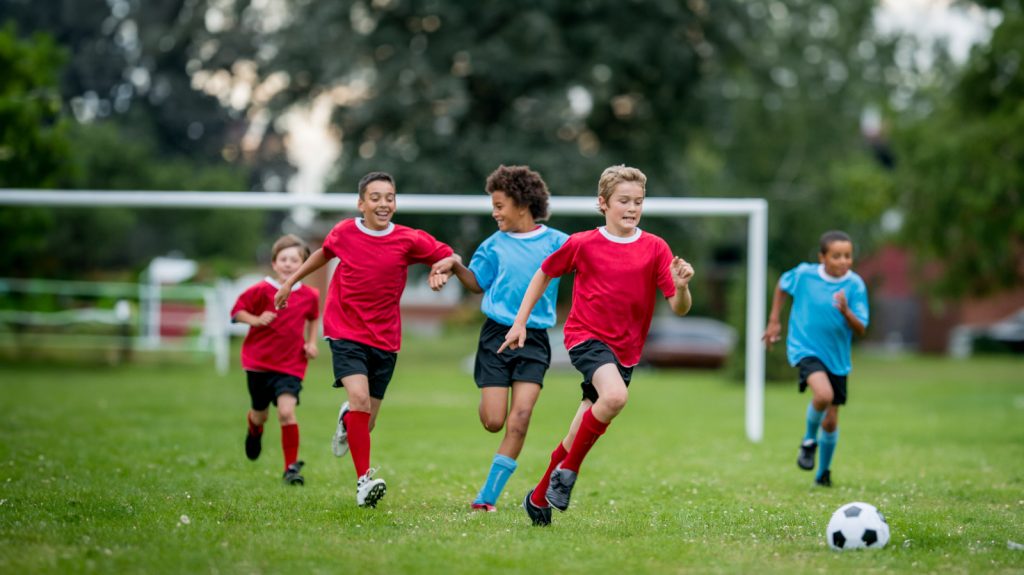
x=857 y=525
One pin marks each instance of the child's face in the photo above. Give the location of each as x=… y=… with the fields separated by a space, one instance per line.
x=287 y=262
x=838 y=259
x=622 y=210
x=377 y=205
x=509 y=215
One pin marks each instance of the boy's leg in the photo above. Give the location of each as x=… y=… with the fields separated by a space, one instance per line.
x=493 y=407
x=829 y=438
x=524 y=397
x=254 y=433
x=357 y=420
x=289 y=428
x=821 y=398
x=539 y=494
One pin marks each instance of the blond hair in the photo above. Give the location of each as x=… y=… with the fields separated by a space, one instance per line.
x=615 y=175
x=289 y=241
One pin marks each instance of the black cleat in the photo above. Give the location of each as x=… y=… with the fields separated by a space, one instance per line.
x=540 y=516
x=805 y=460
x=253 y=446
x=825 y=480
x=560 y=488
x=292 y=475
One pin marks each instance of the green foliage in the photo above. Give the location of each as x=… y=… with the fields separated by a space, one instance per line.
x=158 y=482
x=962 y=171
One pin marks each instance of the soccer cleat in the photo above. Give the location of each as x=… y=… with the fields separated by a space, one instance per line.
x=369 y=490
x=483 y=507
x=540 y=516
x=253 y=446
x=806 y=458
x=339 y=443
x=560 y=488
x=292 y=475
x=825 y=480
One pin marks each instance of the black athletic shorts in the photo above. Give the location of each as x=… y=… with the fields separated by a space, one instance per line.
x=587 y=357
x=809 y=365
x=528 y=363
x=266 y=386
x=351 y=357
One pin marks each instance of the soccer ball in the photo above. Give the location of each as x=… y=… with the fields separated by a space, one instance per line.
x=857 y=525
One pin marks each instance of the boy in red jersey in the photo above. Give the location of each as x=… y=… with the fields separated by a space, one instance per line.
x=275 y=352
x=619 y=270
x=361 y=318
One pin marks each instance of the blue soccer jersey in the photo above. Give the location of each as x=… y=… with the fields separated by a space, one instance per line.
x=505 y=263
x=816 y=328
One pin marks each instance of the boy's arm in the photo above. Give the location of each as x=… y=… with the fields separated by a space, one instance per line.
x=682 y=273
x=254 y=320
x=310 y=345
x=444 y=268
x=774 y=328
x=852 y=320
x=314 y=262
x=516 y=336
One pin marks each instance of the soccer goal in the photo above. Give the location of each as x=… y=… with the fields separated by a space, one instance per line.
x=754 y=209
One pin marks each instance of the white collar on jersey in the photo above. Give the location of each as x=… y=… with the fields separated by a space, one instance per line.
x=378 y=233
x=274 y=283
x=608 y=235
x=830 y=278
x=527 y=235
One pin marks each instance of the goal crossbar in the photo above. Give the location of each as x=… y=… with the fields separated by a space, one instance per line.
x=754 y=209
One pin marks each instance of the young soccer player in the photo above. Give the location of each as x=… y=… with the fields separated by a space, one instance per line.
x=361 y=319
x=830 y=304
x=501 y=269
x=275 y=352
x=619 y=270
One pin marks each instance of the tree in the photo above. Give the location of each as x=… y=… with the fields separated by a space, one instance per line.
x=961 y=172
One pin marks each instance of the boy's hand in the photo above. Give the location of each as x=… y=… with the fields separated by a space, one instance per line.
x=311 y=350
x=771 y=334
x=682 y=272
x=441 y=272
x=281 y=297
x=514 y=339
x=839 y=301
x=265 y=318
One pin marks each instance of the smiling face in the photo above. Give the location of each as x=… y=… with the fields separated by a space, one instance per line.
x=838 y=259
x=286 y=262
x=622 y=209
x=377 y=204
x=510 y=216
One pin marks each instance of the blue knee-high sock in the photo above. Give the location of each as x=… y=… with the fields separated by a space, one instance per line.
x=814 y=418
x=501 y=469
x=826 y=446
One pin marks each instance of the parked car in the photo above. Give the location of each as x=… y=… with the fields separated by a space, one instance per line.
x=688 y=342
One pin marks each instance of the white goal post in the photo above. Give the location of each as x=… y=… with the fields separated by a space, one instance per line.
x=755 y=209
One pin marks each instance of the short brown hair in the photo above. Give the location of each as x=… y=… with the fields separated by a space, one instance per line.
x=289 y=241
x=524 y=186
x=375 y=177
x=833 y=236
x=615 y=175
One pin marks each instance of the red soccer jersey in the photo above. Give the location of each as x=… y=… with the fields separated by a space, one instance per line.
x=362 y=300
x=278 y=346
x=613 y=295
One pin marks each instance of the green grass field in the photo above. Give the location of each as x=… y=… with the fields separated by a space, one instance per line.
x=141 y=469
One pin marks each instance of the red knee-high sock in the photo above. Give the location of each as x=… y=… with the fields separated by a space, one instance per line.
x=590 y=431
x=358 y=425
x=290 y=443
x=538 y=498
x=254 y=429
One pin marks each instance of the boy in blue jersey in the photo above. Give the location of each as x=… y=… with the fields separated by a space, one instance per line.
x=501 y=269
x=830 y=304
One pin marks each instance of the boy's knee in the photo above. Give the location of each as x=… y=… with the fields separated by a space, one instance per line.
x=492 y=423
x=615 y=401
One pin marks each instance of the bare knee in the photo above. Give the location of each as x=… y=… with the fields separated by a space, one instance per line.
x=519 y=422
x=492 y=422
x=613 y=402
x=286 y=417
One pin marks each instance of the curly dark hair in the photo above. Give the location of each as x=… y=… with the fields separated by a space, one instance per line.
x=524 y=186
